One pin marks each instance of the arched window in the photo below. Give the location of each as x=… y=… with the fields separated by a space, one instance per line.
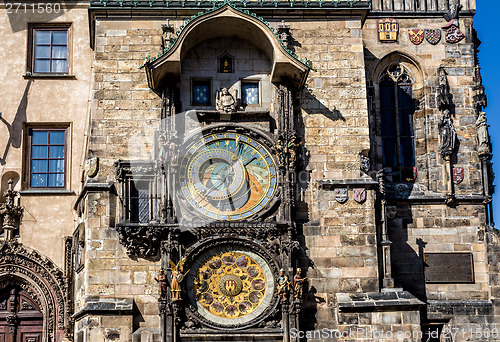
x=396 y=122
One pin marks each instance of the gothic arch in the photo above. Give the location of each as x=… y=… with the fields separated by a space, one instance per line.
x=43 y=281
x=408 y=61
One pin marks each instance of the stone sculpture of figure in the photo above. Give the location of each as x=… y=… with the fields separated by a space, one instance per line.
x=447 y=134
x=444 y=96
x=162 y=282
x=173 y=154
x=177 y=277
x=283 y=285
x=482 y=133
x=225 y=101
x=293 y=147
x=299 y=283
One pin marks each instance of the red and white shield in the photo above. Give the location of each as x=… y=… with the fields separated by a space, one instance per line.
x=359 y=194
x=453 y=35
x=416 y=36
x=458 y=175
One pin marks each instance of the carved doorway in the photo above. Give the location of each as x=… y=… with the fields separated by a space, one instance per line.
x=20 y=317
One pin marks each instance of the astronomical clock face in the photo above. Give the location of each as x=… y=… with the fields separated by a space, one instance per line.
x=230 y=286
x=227 y=176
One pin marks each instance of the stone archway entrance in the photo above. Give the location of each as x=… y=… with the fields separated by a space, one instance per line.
x=21 y=320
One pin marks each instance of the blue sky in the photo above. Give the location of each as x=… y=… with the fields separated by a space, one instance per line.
x=489 y=61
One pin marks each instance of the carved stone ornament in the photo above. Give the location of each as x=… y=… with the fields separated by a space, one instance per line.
x=447 y=134
x=483 y=137
x=141 y=240
x=226 y=102
x=10 y=210
x=391 y=212
x=92 y=167
x=365 y=163
x=43 y=281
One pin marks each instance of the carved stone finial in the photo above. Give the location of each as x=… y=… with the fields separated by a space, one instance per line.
x=10 y=211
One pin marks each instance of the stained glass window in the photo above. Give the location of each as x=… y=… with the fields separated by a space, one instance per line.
x=250 y=93
x=201 y=93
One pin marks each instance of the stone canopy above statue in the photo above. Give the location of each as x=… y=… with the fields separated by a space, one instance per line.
x=226 y=21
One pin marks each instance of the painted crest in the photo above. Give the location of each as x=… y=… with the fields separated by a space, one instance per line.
x=453 y=35
x=433 y=36
x=92 y=166
x=416 y=36
x=341 y=195
x=388 y=30
x=458 y=175
x=409 y=173
x=359 y=194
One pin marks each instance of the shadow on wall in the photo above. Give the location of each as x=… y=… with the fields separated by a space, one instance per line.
x=16 y=127
x=311 y=105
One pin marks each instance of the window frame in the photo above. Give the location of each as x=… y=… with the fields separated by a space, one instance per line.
x=30 y=63
x=251 y=81
x=201 y=81
x=398 y=82
x=28 y=160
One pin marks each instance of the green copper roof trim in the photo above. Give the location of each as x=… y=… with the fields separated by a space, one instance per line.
x=217 y=5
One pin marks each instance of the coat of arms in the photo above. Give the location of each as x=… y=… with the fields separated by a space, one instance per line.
x=341 y=195
x=388 y=30
x=409 y=173
x=433 y=36
x=359 y=194
x=458 y=175
x=92 y=166
x=453 y=34
x=416 y=36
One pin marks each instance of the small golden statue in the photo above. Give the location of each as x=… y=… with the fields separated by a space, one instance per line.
x=299 y=284
x=177 y=277
x=283 y=285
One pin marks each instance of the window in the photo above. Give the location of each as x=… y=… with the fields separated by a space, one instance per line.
x=249 y=93
x=396 y=111
x=201 y=92
x=49 y=50
x=47 y=158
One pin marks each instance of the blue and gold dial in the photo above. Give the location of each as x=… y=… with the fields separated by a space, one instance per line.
x=228 y=176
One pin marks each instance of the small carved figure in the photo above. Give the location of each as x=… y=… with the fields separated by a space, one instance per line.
x=173 y=154
x=447 y=134
x=444 y=98
x=299 y=284
x=281 y=152
x=177 y=277
x=225 y=101
x=482 y=133
x=292 y=147
x=283 y=285
x=162 y=282
x=9 y=210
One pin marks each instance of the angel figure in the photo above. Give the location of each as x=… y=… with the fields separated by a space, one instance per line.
x=177 y=277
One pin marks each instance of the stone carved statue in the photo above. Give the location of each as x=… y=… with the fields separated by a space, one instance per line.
x=444 y=98
x=226 y=102
x=283 y=285
x=299 y=283
x=293 y=146
x=162 y=282
x=177 y=277
x=9 y=210
x=482 y=133
x=447 y=134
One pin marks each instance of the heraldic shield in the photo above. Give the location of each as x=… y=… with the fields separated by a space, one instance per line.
x=416 y=36
x=359 y=194
x=433 y=36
